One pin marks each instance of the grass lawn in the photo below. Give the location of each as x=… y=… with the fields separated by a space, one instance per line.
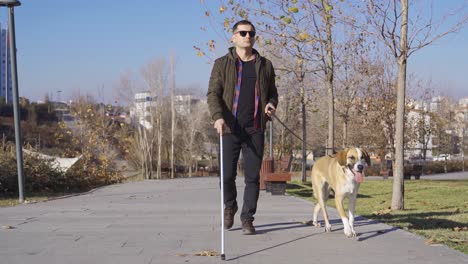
x=31 y=198
x=436 y=210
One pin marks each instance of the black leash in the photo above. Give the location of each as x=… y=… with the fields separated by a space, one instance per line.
x=287 y=128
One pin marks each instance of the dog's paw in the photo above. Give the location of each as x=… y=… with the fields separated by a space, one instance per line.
x=316 y=224
x=328 y=228
x=350 y=233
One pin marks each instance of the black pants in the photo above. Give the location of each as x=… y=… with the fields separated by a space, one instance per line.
x=251 y=145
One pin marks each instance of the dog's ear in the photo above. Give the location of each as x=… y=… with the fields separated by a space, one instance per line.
x=341 y=157
x=366 y=156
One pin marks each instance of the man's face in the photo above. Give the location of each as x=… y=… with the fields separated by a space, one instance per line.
x=242 y=37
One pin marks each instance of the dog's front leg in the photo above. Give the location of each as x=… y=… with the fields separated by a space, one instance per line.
x=315 y=221
x=344 y=217
x=352 y=207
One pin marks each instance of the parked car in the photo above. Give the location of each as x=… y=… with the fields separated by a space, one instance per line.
x=442 y=157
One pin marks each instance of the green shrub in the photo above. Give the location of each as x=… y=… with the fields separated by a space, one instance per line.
x=37 y=173
x=431 y=167
x=435 y=167
x=41 y=177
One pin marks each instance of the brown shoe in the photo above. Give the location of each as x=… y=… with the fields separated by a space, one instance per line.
x=248 y=228
x=229 y=213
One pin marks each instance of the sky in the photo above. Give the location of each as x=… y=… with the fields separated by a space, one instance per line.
x=66 y=47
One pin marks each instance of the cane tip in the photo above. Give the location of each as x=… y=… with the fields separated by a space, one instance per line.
x=223 y=257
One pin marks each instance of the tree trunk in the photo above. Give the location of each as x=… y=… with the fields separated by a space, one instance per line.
x=148 y=155
x=304 y=130
x=172 y=115
x=398 y=171
x=345 y=133
x=304 y=143
x=282 y=144
x=159 y=146
x=329 y=80
x=192 y=139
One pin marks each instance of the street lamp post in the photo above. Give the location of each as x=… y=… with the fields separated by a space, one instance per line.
x=14 y=76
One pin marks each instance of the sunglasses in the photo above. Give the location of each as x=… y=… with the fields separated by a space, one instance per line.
x=243 y=33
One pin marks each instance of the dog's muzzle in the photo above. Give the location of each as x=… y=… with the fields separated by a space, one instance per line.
x=360 y=168
x=358 y=174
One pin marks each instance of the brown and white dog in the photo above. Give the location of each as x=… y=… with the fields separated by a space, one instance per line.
x=343 y=172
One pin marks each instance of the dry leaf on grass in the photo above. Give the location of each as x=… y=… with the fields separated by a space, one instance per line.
x=207 y=253
x=431 y=241
x=383 y=212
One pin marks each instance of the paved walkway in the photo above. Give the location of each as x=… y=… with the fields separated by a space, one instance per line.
x=169 y=221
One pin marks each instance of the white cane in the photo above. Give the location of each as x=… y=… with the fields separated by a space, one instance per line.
x=223 y=257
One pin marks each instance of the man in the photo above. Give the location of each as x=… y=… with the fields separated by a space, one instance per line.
x=242 y=96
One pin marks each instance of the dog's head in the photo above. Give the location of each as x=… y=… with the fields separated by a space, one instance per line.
x=355 y=159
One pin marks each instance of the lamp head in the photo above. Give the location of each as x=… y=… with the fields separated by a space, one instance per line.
x=10 y=3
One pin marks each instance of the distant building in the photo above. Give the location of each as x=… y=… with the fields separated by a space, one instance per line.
x=183 y=104
x=421 y=105
x=6 y=90
x=420 y=121
x=463 y=102
x=141 y=111
x=62 y=110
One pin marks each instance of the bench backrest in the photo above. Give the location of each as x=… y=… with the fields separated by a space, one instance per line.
x=284 y=165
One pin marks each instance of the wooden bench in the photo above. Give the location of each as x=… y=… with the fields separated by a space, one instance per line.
x=275 y=182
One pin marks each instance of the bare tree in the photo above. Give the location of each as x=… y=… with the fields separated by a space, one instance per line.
x=352 y=82
x=390 y=21
x=148 y=128
x=190 y=140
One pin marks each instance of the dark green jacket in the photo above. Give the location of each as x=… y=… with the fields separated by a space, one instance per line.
x=222 y=85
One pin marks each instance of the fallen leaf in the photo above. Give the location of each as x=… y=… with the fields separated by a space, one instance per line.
x=207 y=253
x=431 y=241
x=383 y=212
x=7 y=227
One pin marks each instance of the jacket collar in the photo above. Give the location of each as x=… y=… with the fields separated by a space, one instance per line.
x=233 y=55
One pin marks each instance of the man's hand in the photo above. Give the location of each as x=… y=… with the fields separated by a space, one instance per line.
x=219 y=125
x=270 y=110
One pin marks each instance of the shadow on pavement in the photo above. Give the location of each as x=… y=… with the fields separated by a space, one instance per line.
x=272 y=247
x=372 y=234
x=285 y=225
